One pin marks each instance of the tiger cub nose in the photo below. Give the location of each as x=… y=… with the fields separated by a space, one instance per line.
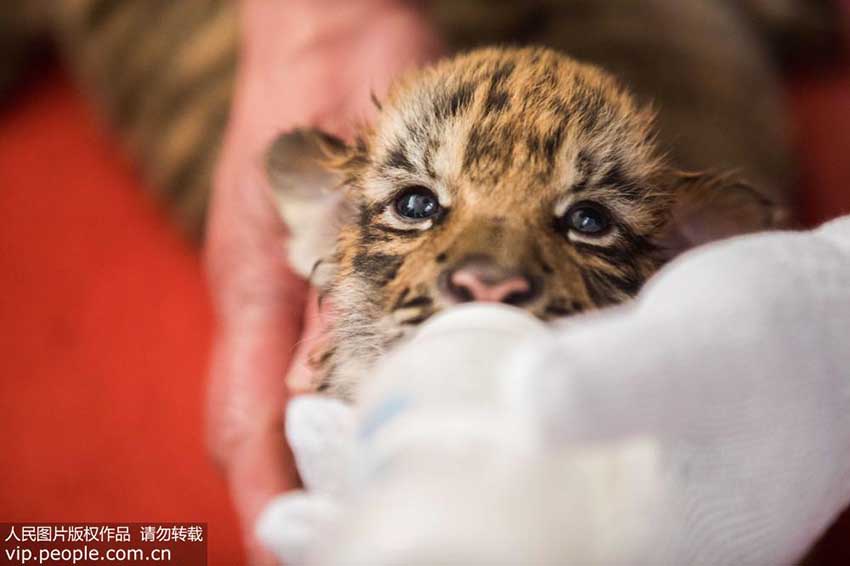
x=486 y=282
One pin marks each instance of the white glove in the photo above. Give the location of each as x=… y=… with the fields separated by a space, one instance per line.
x=737 y=360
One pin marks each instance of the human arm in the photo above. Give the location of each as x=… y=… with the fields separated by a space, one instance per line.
x=304 y=62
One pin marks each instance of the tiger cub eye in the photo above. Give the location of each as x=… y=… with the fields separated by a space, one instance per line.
x=589 y=219
x=417 y=203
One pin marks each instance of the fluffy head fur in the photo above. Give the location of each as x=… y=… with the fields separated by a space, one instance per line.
x=508 y=140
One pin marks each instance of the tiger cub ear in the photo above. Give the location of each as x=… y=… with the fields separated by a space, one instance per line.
x=308 y=194
x=709 y=206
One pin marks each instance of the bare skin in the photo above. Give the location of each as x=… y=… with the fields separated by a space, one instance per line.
x=305 y=63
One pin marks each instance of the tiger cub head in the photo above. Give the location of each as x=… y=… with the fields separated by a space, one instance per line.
x=517 y=176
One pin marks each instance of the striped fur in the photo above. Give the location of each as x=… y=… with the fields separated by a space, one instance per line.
x=160 y=73
x=163 y=72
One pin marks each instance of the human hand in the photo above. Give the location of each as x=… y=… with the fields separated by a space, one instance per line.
x=304 y=63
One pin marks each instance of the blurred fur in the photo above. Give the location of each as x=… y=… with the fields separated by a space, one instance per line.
x=163 y=71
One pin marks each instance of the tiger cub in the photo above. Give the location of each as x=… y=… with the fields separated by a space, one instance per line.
x=516 y=176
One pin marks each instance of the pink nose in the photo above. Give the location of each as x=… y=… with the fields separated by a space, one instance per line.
x=476 y=284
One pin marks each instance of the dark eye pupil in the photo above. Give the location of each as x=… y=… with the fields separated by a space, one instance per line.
x=588 y=220
x=417 y=203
